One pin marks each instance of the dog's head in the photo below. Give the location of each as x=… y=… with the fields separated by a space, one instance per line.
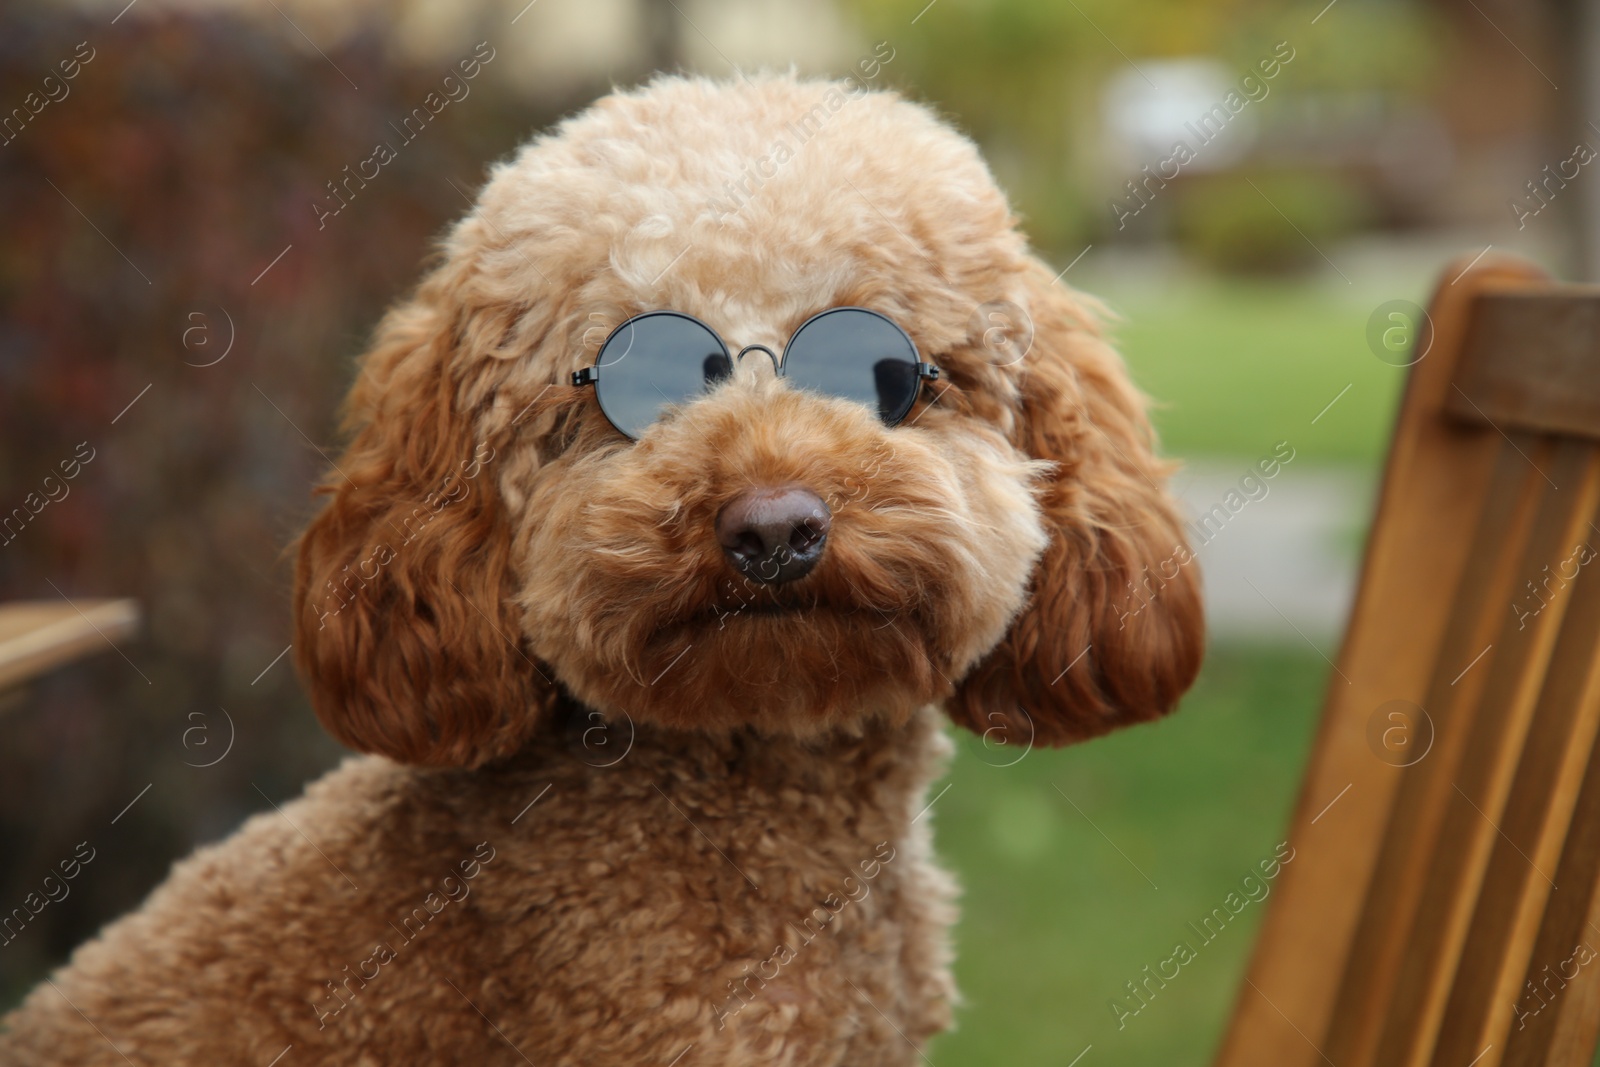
x=763 y=554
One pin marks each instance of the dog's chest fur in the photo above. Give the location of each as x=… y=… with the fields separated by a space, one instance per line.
x=747 y=900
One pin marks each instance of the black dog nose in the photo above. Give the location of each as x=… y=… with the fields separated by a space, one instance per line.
x=774 y=535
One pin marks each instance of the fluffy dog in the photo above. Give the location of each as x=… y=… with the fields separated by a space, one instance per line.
x=625 y=801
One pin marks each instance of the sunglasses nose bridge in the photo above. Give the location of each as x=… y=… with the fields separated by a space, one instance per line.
x=770 y=354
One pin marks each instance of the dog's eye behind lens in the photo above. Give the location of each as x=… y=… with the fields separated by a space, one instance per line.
x=896 y=381
x=716 y=368
x=655 y=360
x=858 y=355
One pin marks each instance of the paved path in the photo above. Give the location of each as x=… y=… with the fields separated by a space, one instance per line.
x=1286 y=561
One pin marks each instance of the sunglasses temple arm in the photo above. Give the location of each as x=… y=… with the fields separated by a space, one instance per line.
x=586 y=376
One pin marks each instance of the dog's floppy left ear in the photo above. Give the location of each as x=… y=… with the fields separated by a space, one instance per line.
x=404 y=632
x=1113 y=631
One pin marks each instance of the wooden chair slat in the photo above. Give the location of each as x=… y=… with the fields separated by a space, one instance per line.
x=1564 y=1032
x=1396 y=892
x=1530 y=362
x=1539 y=815
x=1473 y=793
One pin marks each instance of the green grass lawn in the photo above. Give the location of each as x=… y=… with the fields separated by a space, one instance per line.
x=1063 y=906
x=1237 y=366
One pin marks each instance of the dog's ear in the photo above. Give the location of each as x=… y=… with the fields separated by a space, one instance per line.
x=404 y=632
x=1112 y=632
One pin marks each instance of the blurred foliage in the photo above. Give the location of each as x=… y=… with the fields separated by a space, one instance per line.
x=1375 y=48
x=144 y=206
x=1266 y=221
x=1024 y=77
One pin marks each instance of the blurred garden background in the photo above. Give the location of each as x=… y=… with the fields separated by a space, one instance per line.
x=170 y=298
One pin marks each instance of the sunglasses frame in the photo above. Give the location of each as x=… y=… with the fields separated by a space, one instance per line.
x=591 y=375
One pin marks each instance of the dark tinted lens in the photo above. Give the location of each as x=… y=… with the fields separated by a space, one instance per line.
x=856 y=354
x=654 y=360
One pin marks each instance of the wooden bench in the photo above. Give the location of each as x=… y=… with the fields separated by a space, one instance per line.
x=1443 y=907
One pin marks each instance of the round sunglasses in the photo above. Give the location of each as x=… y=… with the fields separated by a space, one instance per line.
x=662 y=358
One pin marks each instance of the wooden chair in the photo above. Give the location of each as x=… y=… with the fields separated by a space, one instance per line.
x=1443 y=904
